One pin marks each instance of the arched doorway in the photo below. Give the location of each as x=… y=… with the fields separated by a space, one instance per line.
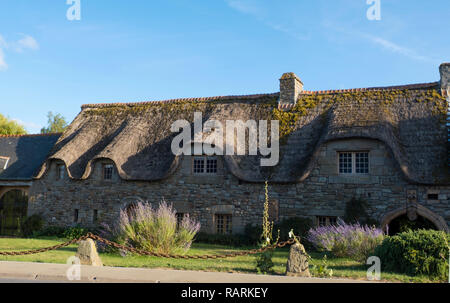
x=129 y=204
x=13 y=210
x=422 y=218
x=403 y=223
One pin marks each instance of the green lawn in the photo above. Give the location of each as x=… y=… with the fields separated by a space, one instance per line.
x=341 y=267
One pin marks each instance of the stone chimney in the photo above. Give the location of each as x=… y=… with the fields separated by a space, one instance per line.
x=290 y=87
x=444 y=70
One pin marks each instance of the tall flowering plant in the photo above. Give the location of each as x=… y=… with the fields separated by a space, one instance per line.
x=154 y=229
x=264 y=263
x=354 y=241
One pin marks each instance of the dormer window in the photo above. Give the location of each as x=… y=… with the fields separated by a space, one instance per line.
x=205 y=165
x=108 y=170
x=354 y=163
x=61 y=171
x=3 y=162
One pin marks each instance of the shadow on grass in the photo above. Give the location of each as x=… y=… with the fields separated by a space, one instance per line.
x=71 y=249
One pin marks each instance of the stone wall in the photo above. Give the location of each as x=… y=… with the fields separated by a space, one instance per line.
x=323 y=193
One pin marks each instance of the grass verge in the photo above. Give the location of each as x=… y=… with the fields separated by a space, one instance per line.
x=343 y=268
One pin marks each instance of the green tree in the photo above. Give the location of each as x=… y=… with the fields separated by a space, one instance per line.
x=10 y=127
x=56 y=124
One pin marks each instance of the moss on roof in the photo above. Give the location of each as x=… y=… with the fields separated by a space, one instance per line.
x=411 y=122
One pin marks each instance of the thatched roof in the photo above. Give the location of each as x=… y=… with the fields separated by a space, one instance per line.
x=410 y=120
x=24 y=154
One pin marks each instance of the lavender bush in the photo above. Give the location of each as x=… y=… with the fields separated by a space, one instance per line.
x=346 y=240
x=154 y=230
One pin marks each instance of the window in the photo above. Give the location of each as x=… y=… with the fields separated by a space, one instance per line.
x=95 y=216
x=345 y=163
x=75 y=216
x=4 y=162
x=108 y=170
x=332 y=220
x=211 y=166
x=354 y=162
x=205 y=165
x=433 y=196
x=199 y=165
x=61 y=171
x=325 y=220
x=362 y=163
x=223 y=224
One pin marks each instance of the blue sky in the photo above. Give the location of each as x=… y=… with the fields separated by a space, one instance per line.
x=143 y=50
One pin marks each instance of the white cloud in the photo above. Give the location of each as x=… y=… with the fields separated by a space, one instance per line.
x=395 y=48
x=3 y=65
x=381 y=42
x=30 y=126
x=2 y=42
x=19 y=46
x=27 y=42
x=245 y=7
x=258 y=11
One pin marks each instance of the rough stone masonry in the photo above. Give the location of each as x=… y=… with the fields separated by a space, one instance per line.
x=386 y=145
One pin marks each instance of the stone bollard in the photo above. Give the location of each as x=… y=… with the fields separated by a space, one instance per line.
x=87 y=253
x=297 y=264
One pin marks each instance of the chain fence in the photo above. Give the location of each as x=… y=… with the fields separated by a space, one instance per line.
x=147 y=253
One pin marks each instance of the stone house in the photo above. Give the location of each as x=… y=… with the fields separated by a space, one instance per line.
x=385 y=145
x=20 y=159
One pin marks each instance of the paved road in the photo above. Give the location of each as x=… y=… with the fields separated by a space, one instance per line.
x=2 y=281
x=32 y=272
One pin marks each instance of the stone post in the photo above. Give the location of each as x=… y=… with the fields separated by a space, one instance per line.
x=87 y=253
x=297 y=264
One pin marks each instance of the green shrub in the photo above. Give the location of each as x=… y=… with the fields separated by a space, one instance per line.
x=264 y=263
x=238 y=240
x=31 y=225
x=356 y=212
x=74 y=232
x=321 y=270
x=416 y=252
x=300 y=226
x=252 y=235
x=50 y=231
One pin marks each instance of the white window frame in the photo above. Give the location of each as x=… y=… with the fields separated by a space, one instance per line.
x=107 y=166
x=6 y=162
x=227 y=224
x=205 y=165
x=353 y=159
